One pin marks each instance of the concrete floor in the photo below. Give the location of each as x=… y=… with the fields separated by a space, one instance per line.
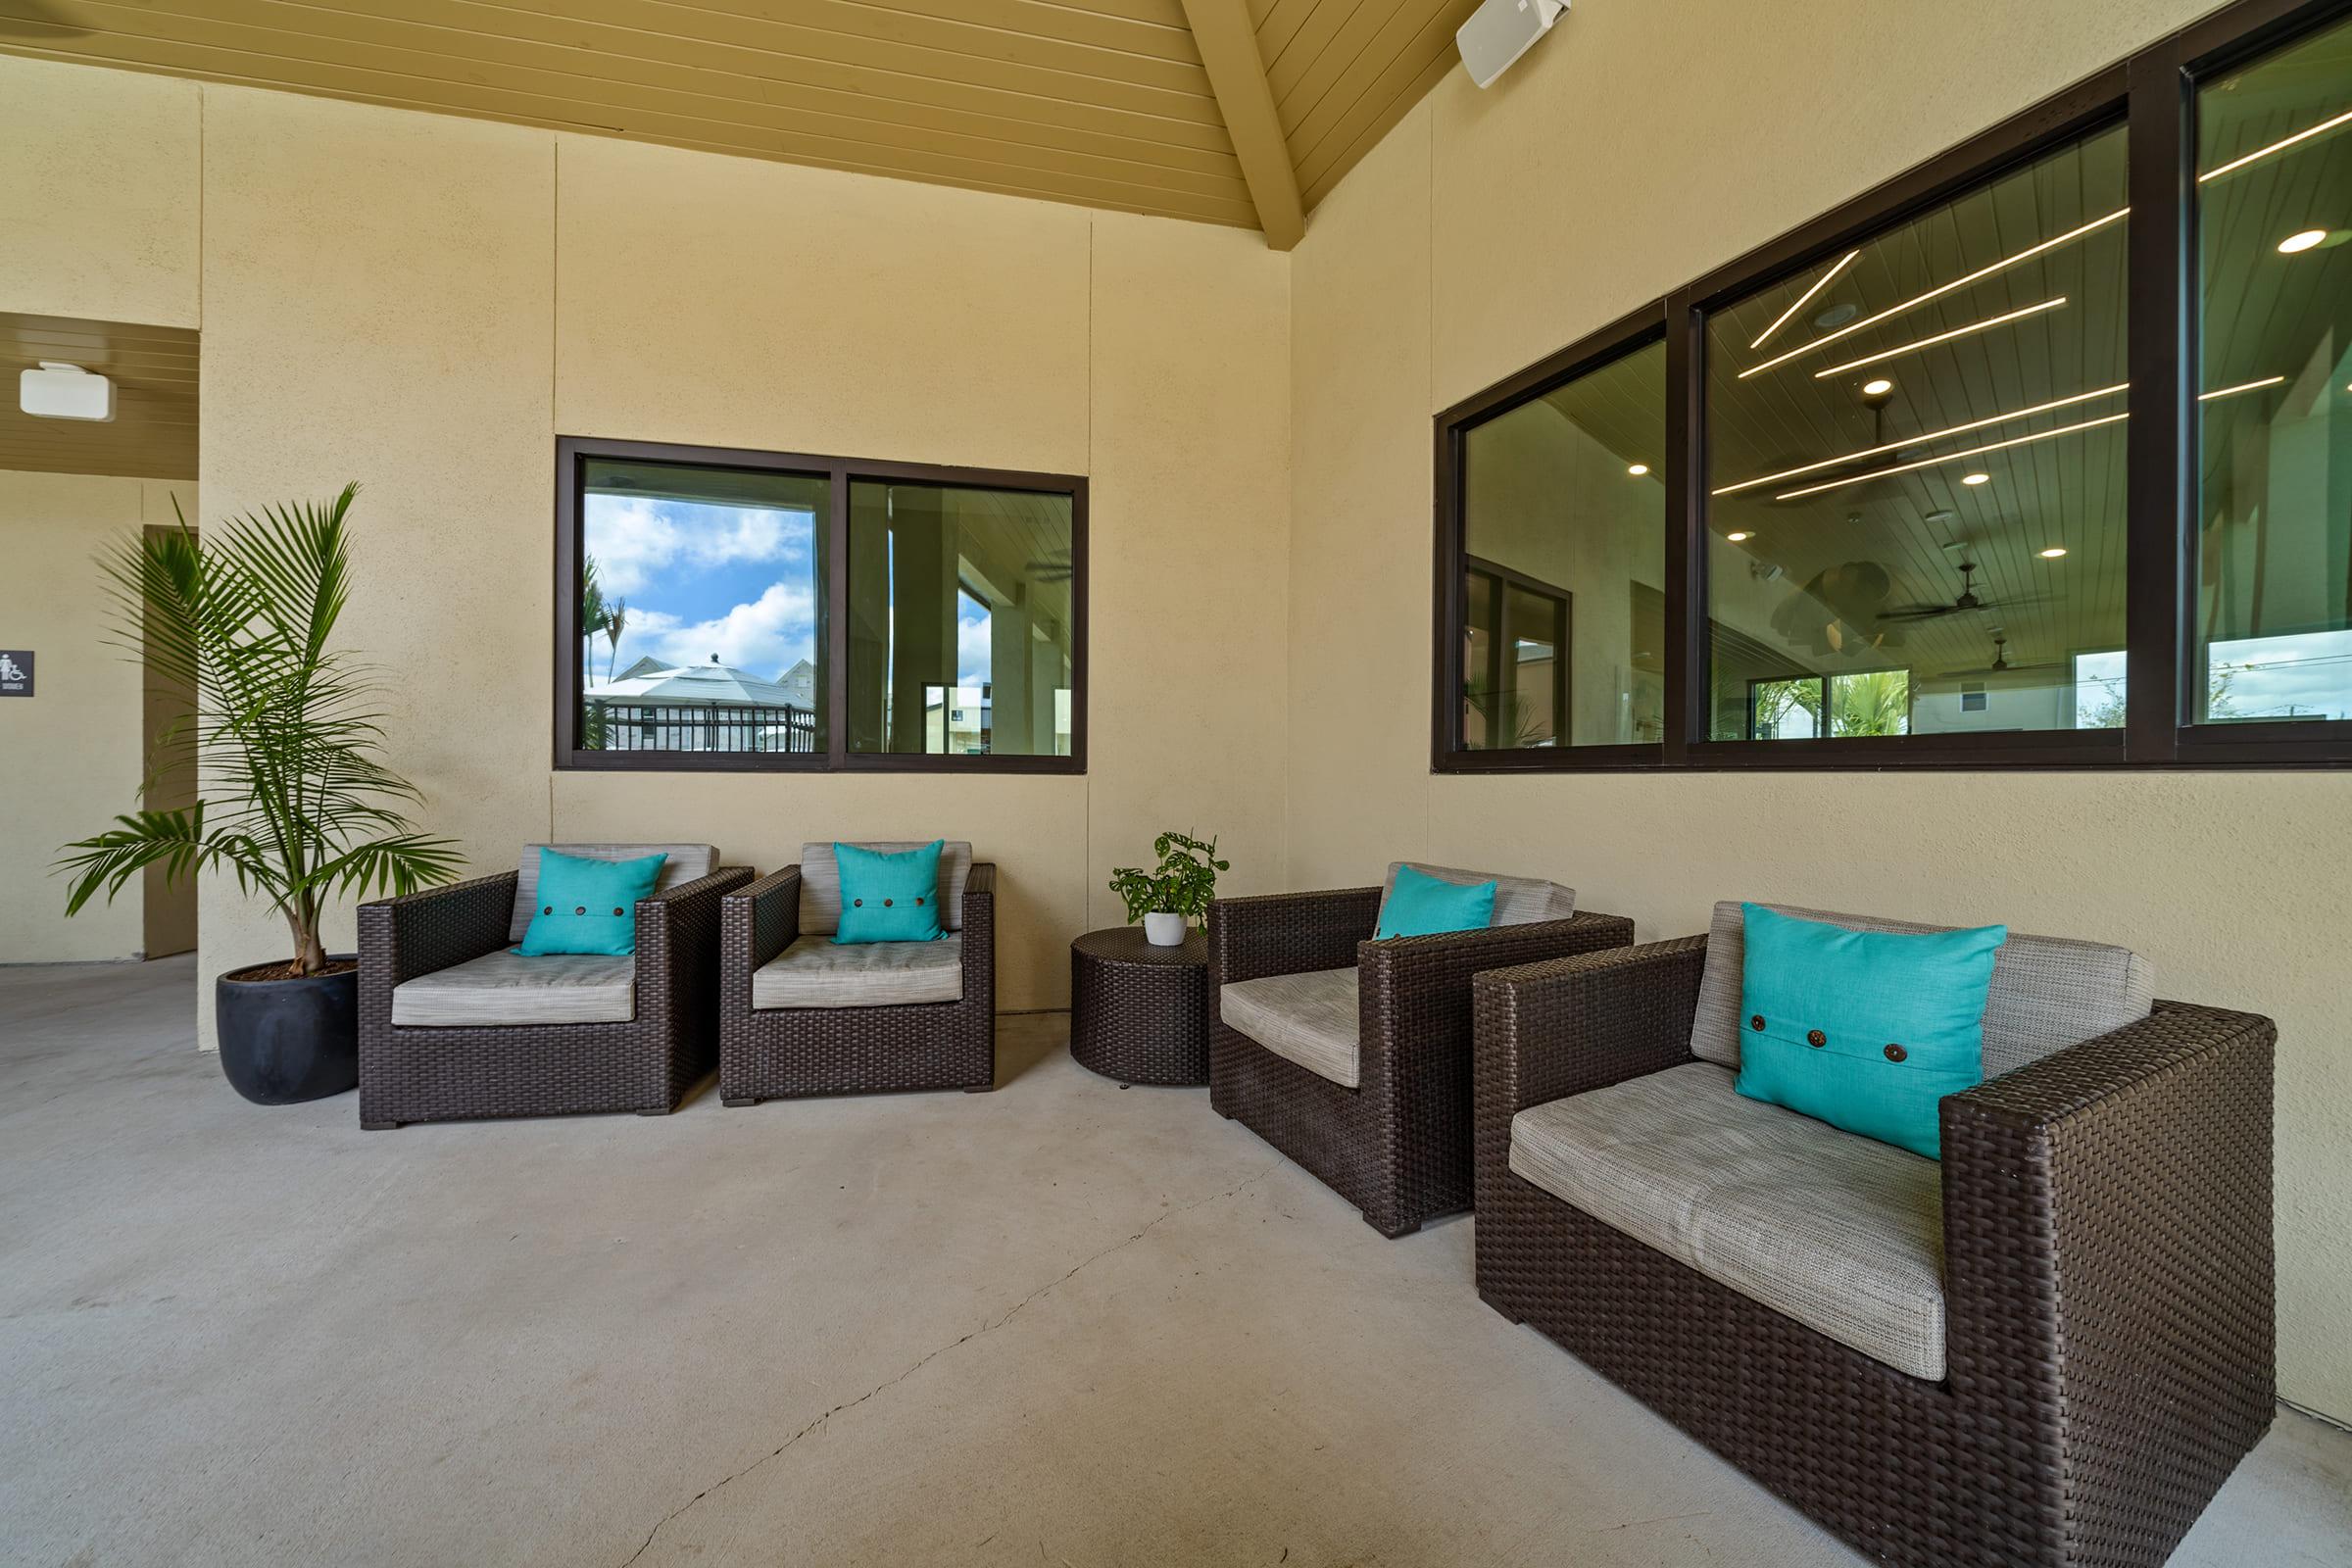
x=1065 y=1323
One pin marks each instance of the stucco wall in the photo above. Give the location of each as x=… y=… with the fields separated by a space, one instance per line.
x=71 y=755
x=423 y=304
x=1633 y=149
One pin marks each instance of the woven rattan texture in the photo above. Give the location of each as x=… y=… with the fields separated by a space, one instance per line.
x=1140 y=1013
x=1397 y=1144
x=2108 y=1274
x=784 y=1052
x=645 y=1064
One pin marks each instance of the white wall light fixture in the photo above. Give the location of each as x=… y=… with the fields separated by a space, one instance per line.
x=1499 y=31
x=58 y=391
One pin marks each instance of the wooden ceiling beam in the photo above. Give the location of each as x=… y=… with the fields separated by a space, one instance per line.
x=1236 y=75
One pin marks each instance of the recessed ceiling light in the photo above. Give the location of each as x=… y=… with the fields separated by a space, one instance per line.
x=1877 y=388
x=1739 y=538
x=1976 y=478
x=1636 y=469
x=2303 y=241
x=2053 y=552
x=1837 y=316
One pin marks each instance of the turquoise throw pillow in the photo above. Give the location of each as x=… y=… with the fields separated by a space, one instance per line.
x=588 y=905
x=1421 y=905
x=889 y=898
x=1866 y=1030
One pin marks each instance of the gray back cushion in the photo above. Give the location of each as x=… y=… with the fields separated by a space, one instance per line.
x=1518 y=900
x=2047 y=991
x=820 y=880
x=687 y=862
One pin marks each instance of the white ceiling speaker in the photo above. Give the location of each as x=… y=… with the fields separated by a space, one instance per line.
x=58 y=391
x=1499 y=31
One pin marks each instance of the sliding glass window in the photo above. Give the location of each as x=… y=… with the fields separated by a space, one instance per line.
x=1916 y=489
x=746 y=610
x=2272 y=486
x=1561 y=574
x=963 y=640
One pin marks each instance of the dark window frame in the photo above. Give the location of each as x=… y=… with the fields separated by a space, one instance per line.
x=2153 y=91
x=1563 y=628
x=571 y=455
x=1629 y=335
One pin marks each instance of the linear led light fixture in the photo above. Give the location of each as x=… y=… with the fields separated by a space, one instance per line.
x=1925 y=435
x=1940 y=289
x=1954 y=457
x=2242 y=386
x=1819 y=284
x=2278 y=146
x=1940 y=337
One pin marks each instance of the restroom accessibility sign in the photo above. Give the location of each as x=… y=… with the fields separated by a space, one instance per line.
x=16 y=672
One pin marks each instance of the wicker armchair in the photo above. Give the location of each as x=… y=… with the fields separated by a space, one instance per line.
x=1379 y=1107
x=606 y=1034
x=2102 y=1226
x=785 y=1032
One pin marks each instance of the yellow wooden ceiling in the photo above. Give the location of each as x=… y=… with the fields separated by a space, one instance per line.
x=1239 y=111
x=153 y=433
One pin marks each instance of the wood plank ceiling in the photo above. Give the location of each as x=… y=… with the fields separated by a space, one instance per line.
x=153 y=434
x=1106 y=103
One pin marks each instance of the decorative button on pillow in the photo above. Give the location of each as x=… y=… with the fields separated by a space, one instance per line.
x=889 y=898
x=1866 y=1030
x=588 y=905
x=1421 y=905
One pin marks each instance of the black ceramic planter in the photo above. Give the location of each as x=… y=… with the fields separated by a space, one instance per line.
x=283 y=1041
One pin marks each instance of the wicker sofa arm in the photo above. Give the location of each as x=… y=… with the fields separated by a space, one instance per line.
x=439 y=928
x=1287 y=933
x=761 y=919
x=979 y=916
x=675 y=924
x=2108 y=1250
x=1415 y=990
x=1545 y=1031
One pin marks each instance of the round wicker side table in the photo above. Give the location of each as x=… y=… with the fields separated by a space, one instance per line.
x=1140 y=1013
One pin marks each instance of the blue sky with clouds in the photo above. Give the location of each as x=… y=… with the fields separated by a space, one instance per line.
x=736 y=581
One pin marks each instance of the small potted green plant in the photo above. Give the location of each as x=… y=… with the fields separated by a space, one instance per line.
x=1168 y=900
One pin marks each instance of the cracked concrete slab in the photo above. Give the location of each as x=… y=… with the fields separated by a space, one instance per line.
x=1062 y=1323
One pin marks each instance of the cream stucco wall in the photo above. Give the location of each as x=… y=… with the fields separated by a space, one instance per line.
x=1637 y=147
x=422 y=304
x=71 y=755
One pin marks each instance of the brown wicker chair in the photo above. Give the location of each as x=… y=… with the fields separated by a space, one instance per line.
x=2105 y=1260
x=791 y=1046
x=658 y=1033
x=1391 y=1131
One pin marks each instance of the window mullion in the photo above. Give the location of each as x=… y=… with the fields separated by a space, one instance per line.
x=2158 y=437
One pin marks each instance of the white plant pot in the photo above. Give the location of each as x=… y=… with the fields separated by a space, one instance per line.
x=1164 y=930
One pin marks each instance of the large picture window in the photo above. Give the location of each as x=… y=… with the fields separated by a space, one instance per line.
x=2040 y=455
x=753 y=611
x=1917 y=458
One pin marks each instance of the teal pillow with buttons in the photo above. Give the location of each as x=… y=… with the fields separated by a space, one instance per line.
x=889 y=898
x=1865 y=1030
x=588 y=905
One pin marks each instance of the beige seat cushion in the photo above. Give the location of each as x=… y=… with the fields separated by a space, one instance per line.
x=687 y=862
x=1518 y=900
x=1843 y=1233
x=505 y=988
x=820 y=880
x=816 y=971
x=2047 y=993
x=1307 y=1018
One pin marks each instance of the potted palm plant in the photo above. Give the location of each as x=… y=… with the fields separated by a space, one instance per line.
x=1169 y=899
x=295 y=803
